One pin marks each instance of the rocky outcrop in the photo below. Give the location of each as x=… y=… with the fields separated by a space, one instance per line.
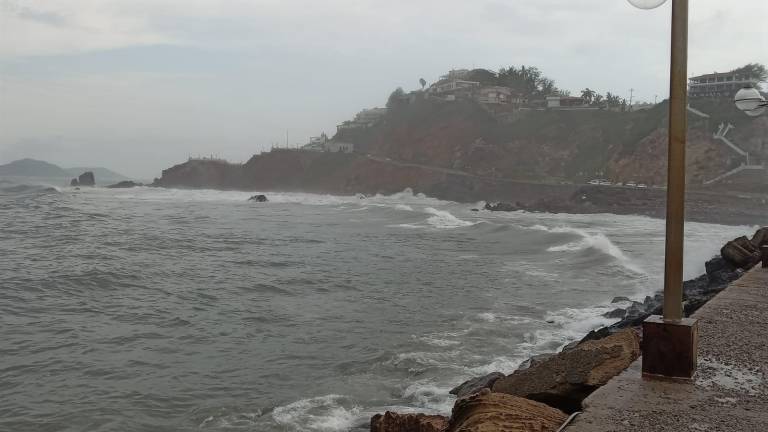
x=126 y=184
x=394 y=422
x=493 y=412
x=474 y=385
x=258 y=198
x=565 y=379
x=85 y=179
x=741 y=252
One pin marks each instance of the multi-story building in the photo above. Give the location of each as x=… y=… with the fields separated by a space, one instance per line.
x=719 y=84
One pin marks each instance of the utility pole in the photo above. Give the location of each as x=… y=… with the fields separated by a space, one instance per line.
x=631 y=93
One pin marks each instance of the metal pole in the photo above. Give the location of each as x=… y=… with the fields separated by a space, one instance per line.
x=678 y=128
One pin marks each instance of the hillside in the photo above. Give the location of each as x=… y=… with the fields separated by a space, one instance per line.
x=37 y=168
x=32 y=168
x=535 y=158
x=544 y=145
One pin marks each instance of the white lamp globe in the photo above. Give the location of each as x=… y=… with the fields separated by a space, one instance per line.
x=646 y=4
x=748 y=99
x=756 y=112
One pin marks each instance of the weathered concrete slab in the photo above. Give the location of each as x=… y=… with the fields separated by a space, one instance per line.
x=729 y=391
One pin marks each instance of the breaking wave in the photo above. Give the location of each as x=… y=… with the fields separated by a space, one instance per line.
x=591 y=240
x=323 y=413
x=444 y=219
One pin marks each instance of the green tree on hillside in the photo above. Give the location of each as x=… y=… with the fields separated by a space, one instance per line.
x=753 y=70
x=395 y=98
x=529 y=81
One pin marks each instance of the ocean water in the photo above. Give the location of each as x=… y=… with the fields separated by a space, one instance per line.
x=178 y=310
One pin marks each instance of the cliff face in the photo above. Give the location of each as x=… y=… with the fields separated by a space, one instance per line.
x=460 y=150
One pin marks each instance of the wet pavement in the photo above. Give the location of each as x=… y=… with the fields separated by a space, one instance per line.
x=729 y=391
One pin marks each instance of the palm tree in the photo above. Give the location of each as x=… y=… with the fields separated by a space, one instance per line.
x=612 y=100
x=588 y=95
x=597 y=99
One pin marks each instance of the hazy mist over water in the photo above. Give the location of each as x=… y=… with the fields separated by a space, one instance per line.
x=160 y=309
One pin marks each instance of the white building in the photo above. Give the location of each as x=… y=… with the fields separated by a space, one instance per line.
x=453 y=86
x=339 y=147
x=719 y=84
x=495 y=95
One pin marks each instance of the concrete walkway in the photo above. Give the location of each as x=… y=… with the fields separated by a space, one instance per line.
x=729 y=391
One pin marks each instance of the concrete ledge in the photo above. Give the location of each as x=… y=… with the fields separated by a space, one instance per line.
x=728 y=393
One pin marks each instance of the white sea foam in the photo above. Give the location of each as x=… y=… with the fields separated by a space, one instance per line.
x=444 y=219
x=323 y=413
x=430 y=395
x=437 y=339
x=504 y=364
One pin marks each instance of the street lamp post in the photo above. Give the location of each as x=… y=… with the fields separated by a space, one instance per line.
x=670 y=341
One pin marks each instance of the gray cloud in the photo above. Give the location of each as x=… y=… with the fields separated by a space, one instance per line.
x=139 y=85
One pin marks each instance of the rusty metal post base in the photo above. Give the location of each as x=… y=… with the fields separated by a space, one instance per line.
x=670 y=348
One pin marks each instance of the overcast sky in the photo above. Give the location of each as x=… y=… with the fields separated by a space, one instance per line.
x=138 y=85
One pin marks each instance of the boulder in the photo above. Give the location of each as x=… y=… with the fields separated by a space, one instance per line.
x=532 y=361
x=74 y=182
x=86 y=179
x=493 y=412
x=741 y=253
x=124 y=185
x=620 y=299
x=394 y=422
x=564 y=380
x=616 y=313
x=474 y=385
x=501 y=206
x=258 y=198
x=760 y=238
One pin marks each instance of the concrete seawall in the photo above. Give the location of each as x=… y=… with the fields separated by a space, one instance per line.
x=729 y=391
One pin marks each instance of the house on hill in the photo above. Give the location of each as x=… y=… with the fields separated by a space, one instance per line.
x=720 y=85
x=363 y=119
x=338 y=147
x=559 y=102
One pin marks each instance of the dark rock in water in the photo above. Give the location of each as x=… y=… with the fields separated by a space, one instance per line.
x=534 y=361
x=394 y=422
x=620 y=299
x=565 y=379
x=500 y=206
x=474 y=209
x=491 y=412
x=74 y=182
x=571 y=346
x=474 y=385
x=86 y=179
x=616 y=313
x=258 y=198
x=124 y=185
x=598 y=334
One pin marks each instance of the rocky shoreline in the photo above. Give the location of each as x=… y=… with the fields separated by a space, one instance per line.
x=701 y=206
x=547 y=388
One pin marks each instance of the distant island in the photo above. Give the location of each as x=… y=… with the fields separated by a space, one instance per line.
x=40 y=169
